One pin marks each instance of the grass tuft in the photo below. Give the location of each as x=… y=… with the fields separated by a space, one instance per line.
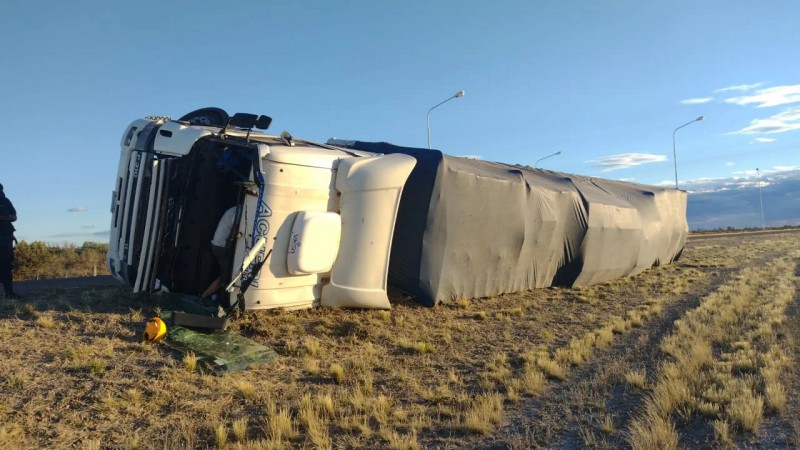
x=776 y=396
x=637 y=379
x=190 y=361
x=45 y=321
x=246 y=389
x=420 y=347
x=747 y=410
x=337 y=373
x=722 y=433
x=532 y=381
x=484 y=413
x=551 y=368
x=221 y=436
x=240 y=429
x=311 y=346
x=396 y=441
x=280 y=425
x=653 y=432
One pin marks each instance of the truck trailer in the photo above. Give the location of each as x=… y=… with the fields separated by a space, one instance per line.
x=332 y=224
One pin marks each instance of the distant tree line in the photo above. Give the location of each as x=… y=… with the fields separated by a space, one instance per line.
x=735 y=229
x=37 y=260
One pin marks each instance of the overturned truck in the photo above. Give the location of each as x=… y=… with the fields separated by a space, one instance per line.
x=331 y=224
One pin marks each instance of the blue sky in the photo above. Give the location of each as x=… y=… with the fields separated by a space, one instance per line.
x=603 y=82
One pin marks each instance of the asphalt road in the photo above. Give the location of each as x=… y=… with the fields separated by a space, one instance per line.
x=32 y=286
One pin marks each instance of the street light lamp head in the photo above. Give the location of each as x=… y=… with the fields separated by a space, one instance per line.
x=428 y=118
x=700 y=118
x=536 y=164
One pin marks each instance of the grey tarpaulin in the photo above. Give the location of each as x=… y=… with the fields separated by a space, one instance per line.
x=470 y=228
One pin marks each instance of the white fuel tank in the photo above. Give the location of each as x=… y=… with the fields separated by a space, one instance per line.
x=370 y=189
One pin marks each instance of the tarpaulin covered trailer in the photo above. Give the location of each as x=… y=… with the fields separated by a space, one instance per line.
x=468 y=228
x=330 y=224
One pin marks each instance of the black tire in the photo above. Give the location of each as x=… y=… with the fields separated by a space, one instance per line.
x=208 y=117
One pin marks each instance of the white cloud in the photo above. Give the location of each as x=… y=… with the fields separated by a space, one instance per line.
x=743 y=179
x=703 y=180
x=696 y=101
x=740 y=87
x=764 y=140
x=81 y=234
x=770 y=171
x=774 y=96
x=626 y=160
x=729 y=163
x=77 y=209
x=626 y=179
x=786 y=120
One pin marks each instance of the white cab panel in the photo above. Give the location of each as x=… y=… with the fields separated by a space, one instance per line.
x=296 y=179
x=174 y=138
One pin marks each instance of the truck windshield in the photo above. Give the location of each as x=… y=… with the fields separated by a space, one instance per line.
x=202 y=186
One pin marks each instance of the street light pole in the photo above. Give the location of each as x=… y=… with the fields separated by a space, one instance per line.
x=760 y=198
x=535 y=165
x=674 y=154
x=456 y=95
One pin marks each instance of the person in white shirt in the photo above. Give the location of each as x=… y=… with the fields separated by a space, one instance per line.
x=222 y=250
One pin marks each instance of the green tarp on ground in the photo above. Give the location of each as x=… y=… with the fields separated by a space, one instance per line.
x=220 y=351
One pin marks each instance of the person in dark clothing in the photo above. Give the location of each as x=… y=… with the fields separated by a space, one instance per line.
x=7 y=215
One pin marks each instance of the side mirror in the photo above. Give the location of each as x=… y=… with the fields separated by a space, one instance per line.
x=247 y=121
x=243 y=120
x=263 y=122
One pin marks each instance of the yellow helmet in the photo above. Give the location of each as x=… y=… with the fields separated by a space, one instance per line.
x=155 y=330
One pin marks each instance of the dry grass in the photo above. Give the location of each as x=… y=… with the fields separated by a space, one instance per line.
x=747 y=409
x=221 y=436
x=374 y=379
x=551 y=368
x=337 y=372
x=239 y=427
x=246 y=389
x=484 y=413
x=739 y=319
x=421 y=347
x=532 y=381
x=607 y=425
x=190 y=361
x=722 y=433
x=280 y=426
x=653 y=432
x=46 y=321
x=776 y=396
x=637 y=379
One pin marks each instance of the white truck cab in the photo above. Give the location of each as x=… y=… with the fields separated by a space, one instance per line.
x=313 y=225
